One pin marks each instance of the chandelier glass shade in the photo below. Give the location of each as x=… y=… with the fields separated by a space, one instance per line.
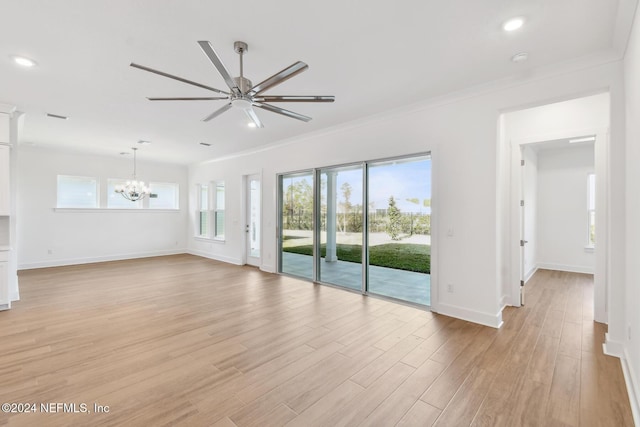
x=133 y=190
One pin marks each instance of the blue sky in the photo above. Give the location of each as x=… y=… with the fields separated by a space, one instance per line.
x=401 y=179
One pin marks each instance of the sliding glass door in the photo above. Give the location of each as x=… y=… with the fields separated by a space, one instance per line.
x=366 y=227
x=341 y=226
x=296 y=224
x=399 y=238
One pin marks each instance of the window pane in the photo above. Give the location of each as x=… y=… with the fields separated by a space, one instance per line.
x=400 y=229
x=116 y=200
x=296 y=224
x=592 y=191
x=204 y=223
x=204 y=197
x=77 y=192
x=220 y=195
x=166 y=195
x=219 y=234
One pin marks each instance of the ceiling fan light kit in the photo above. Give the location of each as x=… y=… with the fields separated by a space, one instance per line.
x=243 y=95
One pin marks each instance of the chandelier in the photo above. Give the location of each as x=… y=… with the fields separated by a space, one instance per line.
x=133 y=190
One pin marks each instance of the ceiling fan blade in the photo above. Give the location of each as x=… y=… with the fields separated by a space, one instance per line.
x=287 y=98
x=254 y=117
x=279 y=77
x=180 y=79
x=282 y=111
x=217 y=62
x=210 y=98
x=217 y=112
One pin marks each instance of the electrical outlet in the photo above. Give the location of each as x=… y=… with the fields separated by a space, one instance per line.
x=50 y=251
x=450 y=288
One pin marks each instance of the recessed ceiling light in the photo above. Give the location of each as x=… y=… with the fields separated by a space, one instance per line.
x=520 y=57
x=24 y=61
x=251 y=124
x=585 y=139
x=142 y=142
x=513 y=24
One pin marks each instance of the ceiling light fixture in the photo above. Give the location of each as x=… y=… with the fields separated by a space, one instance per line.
x=24 y=61
x=520 y=57
x=513 y=24
x=133 y=190
x=584 y=139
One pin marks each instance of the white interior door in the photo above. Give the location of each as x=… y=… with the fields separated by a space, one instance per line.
x=252 y=220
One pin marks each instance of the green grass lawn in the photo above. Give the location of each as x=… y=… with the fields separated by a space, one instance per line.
x=401 y=256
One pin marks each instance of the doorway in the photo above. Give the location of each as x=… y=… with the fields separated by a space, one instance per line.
x=555 y=150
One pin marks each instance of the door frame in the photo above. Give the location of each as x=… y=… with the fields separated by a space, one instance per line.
x=601 y=275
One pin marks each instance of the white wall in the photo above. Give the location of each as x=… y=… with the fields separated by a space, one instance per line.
x=461 y=132
x=630 y=339
x=530 y=197
x=82 y=236
x=562 y=209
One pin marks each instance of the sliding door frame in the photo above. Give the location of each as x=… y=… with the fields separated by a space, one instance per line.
x=315 y=173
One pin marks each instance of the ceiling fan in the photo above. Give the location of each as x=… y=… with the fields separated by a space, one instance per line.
x=242 y=93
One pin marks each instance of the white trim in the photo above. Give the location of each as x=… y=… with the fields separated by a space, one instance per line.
x=267 y=268
x=612 y=348
x=530 y=274
x=104 y=210
x=569 y=268
x=487 y=319
x=208 y=239
x=77 y=261
x=633 y=388
x=229 y=260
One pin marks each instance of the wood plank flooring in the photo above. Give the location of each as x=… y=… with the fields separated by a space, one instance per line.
x=183 y=340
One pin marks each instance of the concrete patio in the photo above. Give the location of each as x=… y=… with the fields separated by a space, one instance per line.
x=405 y=285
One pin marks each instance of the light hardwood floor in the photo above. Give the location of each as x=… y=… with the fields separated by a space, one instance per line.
x=183 y=340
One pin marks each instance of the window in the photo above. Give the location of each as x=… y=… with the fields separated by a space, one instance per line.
x=164 y=195
x=204 y=213
x=210 y=213
x=219 y=211
x=77 y=192
x=591 y=210
x=115 y=200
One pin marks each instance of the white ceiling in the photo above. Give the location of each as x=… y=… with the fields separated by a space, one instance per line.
x=372 y=55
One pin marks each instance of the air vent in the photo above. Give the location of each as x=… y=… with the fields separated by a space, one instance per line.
x=57 y=116
x=206 y=144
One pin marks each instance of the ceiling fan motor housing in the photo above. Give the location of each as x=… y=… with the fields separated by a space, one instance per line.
x=243 y=83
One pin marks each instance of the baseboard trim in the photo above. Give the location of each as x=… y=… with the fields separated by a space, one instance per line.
x=91 y=260
x=228 y=260
x=612 y=348
x=267 y=268
x=567 y=268
x=633 y=388
x=486 y=319
x=530 y=274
